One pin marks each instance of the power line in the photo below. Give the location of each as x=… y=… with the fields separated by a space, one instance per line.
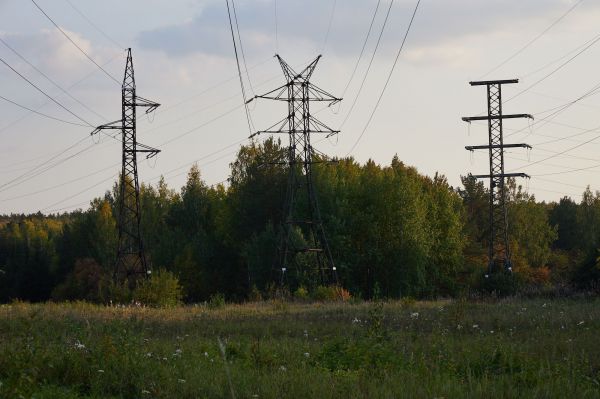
x=561 y=66
x=362 y=50
x=388 y=78
x=561 y=152
x=80 y=192
x=45 y=94
x=60 y=185
x=329 y=24
x=50 y=80
x=362 y=84
x=194 y=162
x=237 y=59
x=568 y=171
x=69 y=207
x=276 y=29
x=567 y=137
x=75 y=44
x=210 y=88
x=70 y=87
x=42 y=168
x=42 y=114
x=237 y=27
x=106 y=36
x=18 y=178
x=558 y=110
x=558 y=59
x=155 y=178
x=211 y=105
x=201 y=126
x=535 y=39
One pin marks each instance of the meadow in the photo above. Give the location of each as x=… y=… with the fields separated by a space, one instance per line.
x=510 y=348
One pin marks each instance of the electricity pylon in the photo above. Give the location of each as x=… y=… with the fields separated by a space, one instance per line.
x=499 y=250
x=299 y=124
x=131 y=260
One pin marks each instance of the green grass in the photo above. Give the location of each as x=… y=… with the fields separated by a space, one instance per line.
x=445 y=349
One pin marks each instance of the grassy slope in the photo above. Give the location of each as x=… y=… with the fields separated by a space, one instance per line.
x=507 y=349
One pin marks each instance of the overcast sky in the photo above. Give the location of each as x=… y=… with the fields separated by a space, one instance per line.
x=184 y=59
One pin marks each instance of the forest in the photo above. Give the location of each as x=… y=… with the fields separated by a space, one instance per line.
x=393 y=233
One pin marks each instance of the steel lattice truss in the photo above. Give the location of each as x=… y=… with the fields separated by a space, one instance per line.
x=299 y=125
x=499 y=249
x=131 y=259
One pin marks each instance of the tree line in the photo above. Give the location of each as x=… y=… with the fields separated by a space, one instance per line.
x=393 y=233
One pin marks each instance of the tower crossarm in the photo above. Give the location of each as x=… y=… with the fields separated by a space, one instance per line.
x=142 y=102
x=503 y=175
x=496 y=117
x=487 y=147
x=152 y=152
x=116 y=125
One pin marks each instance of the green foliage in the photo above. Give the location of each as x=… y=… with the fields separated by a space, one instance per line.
x=393 y=233
x=162 y=289
x=500 y=350
x=216 y=301
x=301 y=293
x=500 y=284
x=88 y=280
x=255 y=295
x=325 y=293
x=118 y=293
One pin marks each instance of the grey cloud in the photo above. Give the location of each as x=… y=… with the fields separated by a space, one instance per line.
x=307 y=21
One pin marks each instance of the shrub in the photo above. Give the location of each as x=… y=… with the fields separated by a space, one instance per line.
x=84 y=282
x=330 y=293
x=501 y=283
x=301 y=293
x=216 y=301
x=117 y=292
x=162 y=289
x=254 y=295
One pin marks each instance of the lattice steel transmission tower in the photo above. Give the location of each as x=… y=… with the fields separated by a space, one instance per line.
x=131 y=260
x=499 y=249
x=299 y=125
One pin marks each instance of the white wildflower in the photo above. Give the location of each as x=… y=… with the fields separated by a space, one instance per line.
x=181 y=381
x=306 y=354
x=79 y=345
x=144 y=392
x=101 y=371
x=414 y=315
x=475 y=325
x=581 y=323
x=205 y=354
x=355 y=320
x=282 y=368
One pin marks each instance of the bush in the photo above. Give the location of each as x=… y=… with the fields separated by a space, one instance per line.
x=501 y=283
x=301 y=293
x=162 y=289
x=118 y=292
x=330 y=293
x=216 y=301
x=254 y=295
x=85 y=281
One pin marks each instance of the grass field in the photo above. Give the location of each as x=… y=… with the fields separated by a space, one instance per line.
x=446 y=349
